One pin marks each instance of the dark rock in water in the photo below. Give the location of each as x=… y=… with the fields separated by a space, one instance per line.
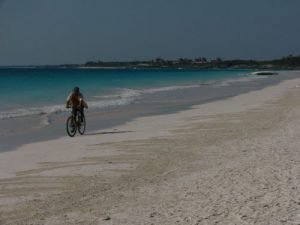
x=265 y=73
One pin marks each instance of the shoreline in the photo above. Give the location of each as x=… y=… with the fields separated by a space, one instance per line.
x=16 y=133
x=232 y=161
x=122 y=127
x=173 y=114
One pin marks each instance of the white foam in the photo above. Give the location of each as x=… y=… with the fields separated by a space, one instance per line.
x=121 y=93
x=121 y=97
x=247 y=78
x=55 y=109
x=32 y=111
x=46 y=120
x=111 y=102
x=169 y=88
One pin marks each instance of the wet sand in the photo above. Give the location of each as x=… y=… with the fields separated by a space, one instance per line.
x=16 y=132
x=232 y=161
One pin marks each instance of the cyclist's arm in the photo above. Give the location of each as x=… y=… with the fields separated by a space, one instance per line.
x=82 y=102
x=68 y=101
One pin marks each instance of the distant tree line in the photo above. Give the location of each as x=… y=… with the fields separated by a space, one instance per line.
x=288 y=62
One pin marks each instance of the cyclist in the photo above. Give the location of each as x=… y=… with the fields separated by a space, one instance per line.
x=76 y=102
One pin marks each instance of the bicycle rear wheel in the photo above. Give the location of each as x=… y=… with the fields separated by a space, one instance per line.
x=81 y=123
x=71 y=126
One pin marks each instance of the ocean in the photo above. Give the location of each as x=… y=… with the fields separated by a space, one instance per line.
x=32 y=100
x=31 y=91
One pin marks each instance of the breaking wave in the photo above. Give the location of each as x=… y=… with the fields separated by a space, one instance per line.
x=118 y=98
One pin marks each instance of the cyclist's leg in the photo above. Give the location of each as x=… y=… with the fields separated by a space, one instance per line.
x=81 y=109
x=74 y=111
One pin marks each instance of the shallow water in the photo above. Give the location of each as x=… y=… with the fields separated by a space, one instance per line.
x=26 y=92
x=155 y=100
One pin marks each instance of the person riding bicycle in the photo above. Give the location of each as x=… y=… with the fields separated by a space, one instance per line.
x=76 y=102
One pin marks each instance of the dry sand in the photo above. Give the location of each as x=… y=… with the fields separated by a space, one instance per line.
x=235 y=161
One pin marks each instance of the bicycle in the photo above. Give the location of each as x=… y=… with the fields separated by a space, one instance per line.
x=76 y=123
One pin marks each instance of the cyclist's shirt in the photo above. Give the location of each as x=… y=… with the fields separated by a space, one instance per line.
x=75 y=100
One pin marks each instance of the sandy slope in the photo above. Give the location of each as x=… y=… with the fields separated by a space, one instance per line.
x=235 y=161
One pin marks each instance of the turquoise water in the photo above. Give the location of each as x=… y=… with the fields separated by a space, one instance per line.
x=41 y=91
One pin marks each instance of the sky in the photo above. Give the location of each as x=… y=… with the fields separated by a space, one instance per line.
x=46 y=32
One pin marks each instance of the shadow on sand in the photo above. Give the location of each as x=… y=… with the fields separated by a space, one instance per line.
x=110 y=132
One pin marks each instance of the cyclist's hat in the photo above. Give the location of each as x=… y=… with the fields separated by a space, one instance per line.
x=76 y=89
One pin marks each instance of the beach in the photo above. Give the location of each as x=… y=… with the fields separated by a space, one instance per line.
x=228 y=161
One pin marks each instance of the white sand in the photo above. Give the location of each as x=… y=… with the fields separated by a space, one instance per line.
x=233 y=161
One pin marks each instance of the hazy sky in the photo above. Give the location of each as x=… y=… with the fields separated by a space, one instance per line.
x=75 y=31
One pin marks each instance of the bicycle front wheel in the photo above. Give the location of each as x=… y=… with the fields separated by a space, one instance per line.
x=71 y=126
